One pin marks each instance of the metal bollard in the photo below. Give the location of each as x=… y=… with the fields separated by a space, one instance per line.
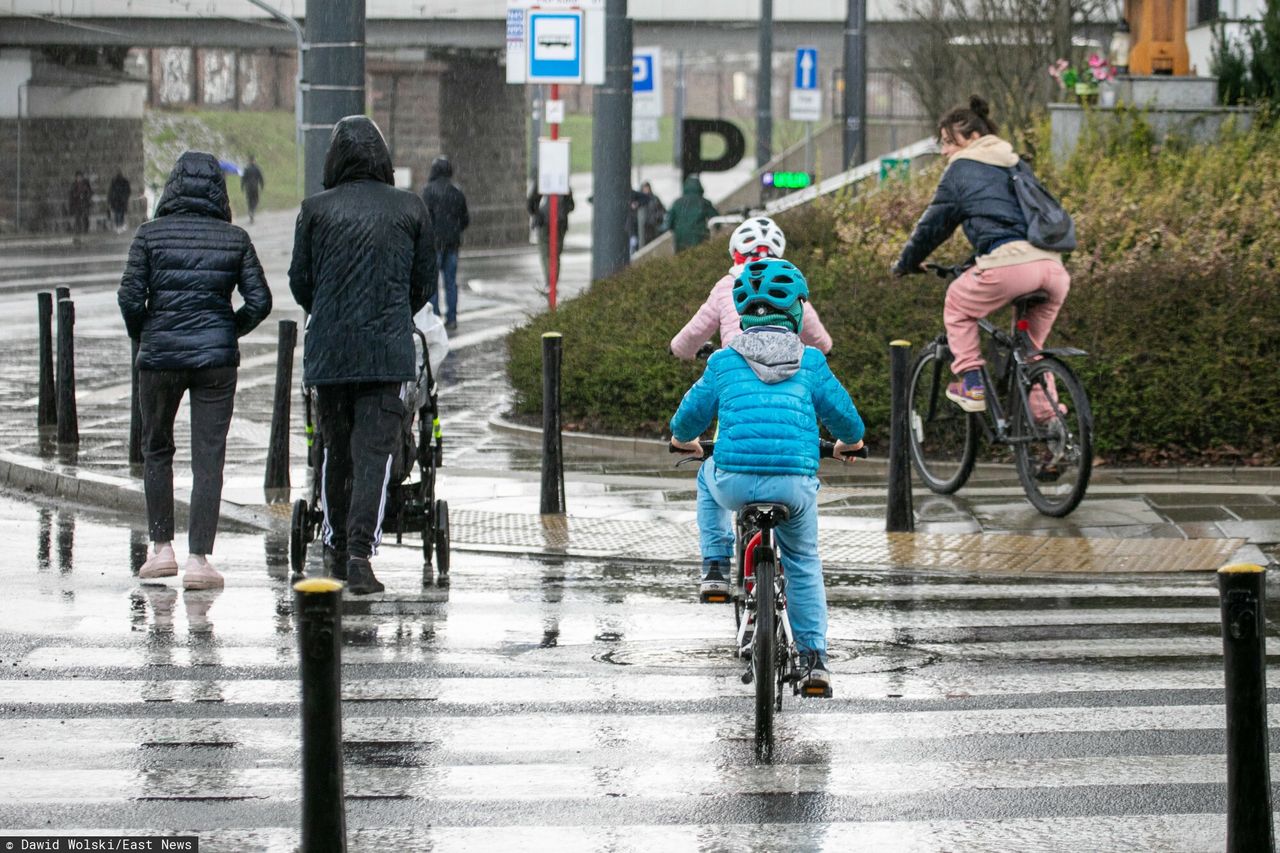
x=1242 y=588
x=61 y=292
x=68 y=422
x=277 y=475
x=318 y=604
x=899 y=516
x=552 y=446
x=47 y=410
x=135 y=407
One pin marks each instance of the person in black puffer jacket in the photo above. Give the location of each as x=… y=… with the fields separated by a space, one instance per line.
x=448 y=208
x=175 y=296
x=364 y=262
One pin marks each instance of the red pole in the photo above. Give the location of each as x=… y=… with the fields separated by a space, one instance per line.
x=553 y=262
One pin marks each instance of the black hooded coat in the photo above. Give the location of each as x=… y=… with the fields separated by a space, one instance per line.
x=183 y=265
x=447 y=204
x=364 y=262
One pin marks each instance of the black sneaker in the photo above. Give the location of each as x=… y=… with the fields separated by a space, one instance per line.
x=335 y=562
x=714 y=587
x=816 y=680
x=360 y=577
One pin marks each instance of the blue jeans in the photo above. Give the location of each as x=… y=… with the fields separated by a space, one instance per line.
x=447 y=263
x=721 y=493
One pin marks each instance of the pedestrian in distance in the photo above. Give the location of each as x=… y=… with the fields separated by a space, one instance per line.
x=539 y=207
x=449 y=218
x=118 y=201
x=175 y=297
x=977 y=192
x=252 y=182
x=80 y=203
x=688 y=216
x=364 y=263
x=649 y=213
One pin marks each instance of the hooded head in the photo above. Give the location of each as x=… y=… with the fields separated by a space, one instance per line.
x=196 y=185
x=692 y=186
x=440 y=168
x=357 y=152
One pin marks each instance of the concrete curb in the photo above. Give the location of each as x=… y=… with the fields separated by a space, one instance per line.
x=104 y=491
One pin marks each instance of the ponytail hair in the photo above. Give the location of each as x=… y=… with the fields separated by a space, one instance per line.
x=966 y=121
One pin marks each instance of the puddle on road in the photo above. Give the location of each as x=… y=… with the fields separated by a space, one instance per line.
x=847 y=657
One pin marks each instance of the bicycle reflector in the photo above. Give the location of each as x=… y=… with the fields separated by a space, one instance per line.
x=1023 y=325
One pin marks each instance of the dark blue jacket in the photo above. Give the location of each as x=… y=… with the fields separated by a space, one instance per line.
x=974 y=195
x=183 y=266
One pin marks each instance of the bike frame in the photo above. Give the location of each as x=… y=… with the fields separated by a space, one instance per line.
x=765 y=536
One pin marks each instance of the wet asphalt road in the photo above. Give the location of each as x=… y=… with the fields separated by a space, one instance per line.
x=566 y=705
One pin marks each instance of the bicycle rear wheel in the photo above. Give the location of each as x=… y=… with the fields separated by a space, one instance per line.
x=944 y=438
x=1055 y=457
x=764 y=658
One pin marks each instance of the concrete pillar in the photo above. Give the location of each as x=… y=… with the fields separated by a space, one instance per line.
x=333 y=75
x=611 y=148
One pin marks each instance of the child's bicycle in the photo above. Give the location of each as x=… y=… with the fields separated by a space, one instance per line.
x=1054 y=457
x=764 y=636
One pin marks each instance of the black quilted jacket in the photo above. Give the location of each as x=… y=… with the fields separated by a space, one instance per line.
x=183 y=266
x=364 y=262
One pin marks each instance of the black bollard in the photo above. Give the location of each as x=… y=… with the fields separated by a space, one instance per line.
x=318 y=603
x=68 y=422
x=62 y=292
x=135 y=407
x=47 y=411
x=899 y=516
x=1242 y=588
x=276 y=480
x=552 y=447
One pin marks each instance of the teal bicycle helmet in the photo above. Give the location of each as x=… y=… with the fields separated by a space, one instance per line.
x=770 y=292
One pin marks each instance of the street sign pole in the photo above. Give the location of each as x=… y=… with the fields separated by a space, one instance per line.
x=553 y=227
x=611 y=147
x=855 y=84
x=764 y=87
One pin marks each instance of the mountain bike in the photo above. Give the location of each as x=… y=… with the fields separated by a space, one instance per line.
x=1053 y=455
x=763 y=630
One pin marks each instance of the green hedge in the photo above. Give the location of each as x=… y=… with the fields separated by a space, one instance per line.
x=1175 y=294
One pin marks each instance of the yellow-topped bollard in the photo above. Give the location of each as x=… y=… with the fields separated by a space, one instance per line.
x=1242 y=589
x=318 y=606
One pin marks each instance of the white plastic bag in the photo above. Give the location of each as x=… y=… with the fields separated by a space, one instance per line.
x=437 y=339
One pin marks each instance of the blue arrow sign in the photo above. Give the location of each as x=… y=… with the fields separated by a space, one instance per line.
x=642 y=72
x=806 y=78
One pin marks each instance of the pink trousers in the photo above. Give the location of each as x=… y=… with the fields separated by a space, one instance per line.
x=977 y=293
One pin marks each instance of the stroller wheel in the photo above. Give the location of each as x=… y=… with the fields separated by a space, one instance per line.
x=299 y=536
x=442 y=536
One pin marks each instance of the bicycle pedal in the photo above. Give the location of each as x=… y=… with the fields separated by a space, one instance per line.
x=748 y=676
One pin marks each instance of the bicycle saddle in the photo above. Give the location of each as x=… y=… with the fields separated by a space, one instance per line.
x=1035 y=297
x=759 y=513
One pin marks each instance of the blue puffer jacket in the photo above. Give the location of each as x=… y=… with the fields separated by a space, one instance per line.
x=766 y=387
x=183 y=266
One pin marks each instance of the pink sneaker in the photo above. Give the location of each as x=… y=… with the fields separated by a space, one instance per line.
x=161 y=564
x=198 y=573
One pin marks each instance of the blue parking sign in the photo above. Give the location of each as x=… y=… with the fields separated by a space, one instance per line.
x=642 y=72
x=806 y=78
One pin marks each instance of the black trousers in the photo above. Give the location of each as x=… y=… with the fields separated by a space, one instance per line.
x=212 y=399
x=360 y=424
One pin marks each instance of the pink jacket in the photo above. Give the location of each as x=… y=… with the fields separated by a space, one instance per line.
x=718 y=311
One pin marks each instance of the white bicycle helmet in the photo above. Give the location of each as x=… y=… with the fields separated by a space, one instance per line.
x=756 y=232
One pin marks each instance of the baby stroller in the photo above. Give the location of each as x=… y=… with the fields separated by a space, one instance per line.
x=412 y=506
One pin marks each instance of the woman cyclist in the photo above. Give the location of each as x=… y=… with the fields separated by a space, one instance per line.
x=976 y=192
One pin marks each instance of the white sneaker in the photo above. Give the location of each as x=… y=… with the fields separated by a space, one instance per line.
x=161 y=564
x=198 y=573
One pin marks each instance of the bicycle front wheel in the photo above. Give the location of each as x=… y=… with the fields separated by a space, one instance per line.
x=764 y=653
x=944 y=438
x=1053 y=447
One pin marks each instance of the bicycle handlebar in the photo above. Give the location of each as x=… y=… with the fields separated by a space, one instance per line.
x=947 y=273
x=826 y=450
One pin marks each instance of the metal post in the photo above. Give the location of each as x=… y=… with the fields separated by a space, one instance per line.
x=553 y=227
x=764 y=87
x=855 y=84
x=47 y=410
x=318 y=603
x=679 y=108
x=135 y=407
x=611 y=148
x=68 y=423
x=276 y=480
x=552 y=448
x=1242 y=588
x=61 y=292
x=899 y=516
x=334 y=74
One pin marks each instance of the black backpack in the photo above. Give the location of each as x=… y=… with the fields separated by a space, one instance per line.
x=1049 y=227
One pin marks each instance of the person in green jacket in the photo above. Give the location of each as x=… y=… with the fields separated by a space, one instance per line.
x=687 y=218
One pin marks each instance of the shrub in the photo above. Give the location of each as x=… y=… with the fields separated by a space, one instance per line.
x=1175 y=294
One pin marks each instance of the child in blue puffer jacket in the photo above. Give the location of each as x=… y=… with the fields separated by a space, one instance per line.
x=766 y=388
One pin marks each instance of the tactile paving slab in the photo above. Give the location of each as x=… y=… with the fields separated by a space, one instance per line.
x=661 y=540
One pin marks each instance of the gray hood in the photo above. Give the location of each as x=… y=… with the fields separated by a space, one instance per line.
x=773 y=352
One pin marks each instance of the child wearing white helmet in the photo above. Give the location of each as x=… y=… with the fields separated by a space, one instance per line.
x=757 y=238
